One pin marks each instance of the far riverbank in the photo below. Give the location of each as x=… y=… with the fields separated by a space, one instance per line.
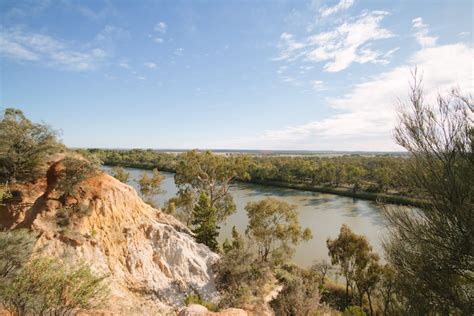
x=363 y=195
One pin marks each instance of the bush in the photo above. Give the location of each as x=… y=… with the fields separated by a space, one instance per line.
x=15 y=249
x=300 y=292
x=47 y=286
x=354 y=311
x=24 y=146
x=195 y=298
x=75 y=171
x=4 y=192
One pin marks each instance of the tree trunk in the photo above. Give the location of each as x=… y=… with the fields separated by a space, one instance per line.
x=347 y=292
x=370 y=304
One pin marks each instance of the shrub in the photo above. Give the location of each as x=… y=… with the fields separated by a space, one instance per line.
x=195 y=298
x=15 y=248
x=354 y=311
x=75 y=171
x=24 y=145
x=47 y=286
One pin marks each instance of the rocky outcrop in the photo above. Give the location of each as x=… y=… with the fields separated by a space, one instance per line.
x=152 y=260
x=199 y=310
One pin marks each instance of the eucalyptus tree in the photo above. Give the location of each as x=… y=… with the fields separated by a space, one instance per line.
x=211 y=174
x=275 y=228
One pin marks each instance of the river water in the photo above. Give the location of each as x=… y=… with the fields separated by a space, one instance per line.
x=322 y=213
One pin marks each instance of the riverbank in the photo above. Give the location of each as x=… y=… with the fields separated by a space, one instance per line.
x=363 y=195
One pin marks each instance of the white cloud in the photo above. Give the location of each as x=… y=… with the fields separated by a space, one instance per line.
x=350 y=42
x=23 y=46
x=341 y=6
x=179 y=51
x=289 y=48
x=150 y=65
x=318 y=85
x=367 y=114
x=124 y=65
x=158 y=40
x=161 y=27
x=421 y=33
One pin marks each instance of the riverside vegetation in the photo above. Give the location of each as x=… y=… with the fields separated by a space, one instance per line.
x=374 y=178
x=429 y=267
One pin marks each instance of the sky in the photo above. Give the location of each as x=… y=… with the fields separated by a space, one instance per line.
x=295 y=75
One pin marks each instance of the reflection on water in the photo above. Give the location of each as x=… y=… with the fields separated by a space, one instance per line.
x=322 y=213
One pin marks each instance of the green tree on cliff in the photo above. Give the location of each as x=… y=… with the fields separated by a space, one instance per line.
x=205 y=223
x=24 y=146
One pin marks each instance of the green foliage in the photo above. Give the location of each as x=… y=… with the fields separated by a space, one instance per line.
x=195 y=298
x=4 y=192
x=348 y=174
x=211 y=174
x=241 y=277
x=76 y=170
x=182 y=206
x=15 y=248
x=150 y=186
x=357 y=263
x=120 y=174
x=36 y=285
x=300 y=292
x=24 y=146
x=205 y=223
x=431 y=250
x=354 y=311
x=274 y=226
x=46 y=285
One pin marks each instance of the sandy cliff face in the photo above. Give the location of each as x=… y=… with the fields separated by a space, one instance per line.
x=152 y=260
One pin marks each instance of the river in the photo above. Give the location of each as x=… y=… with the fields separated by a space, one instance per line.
x=322 y=213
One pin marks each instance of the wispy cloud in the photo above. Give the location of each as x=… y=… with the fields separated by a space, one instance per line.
x=150 y=65
x=349 y=42
x=341 y=6
x=19 y=45
x=367 y=113
x=124 y=65
x=421 y=33
x=318 y=85
x=161 y=27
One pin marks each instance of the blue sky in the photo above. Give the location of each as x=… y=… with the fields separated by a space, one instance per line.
x=315 y=75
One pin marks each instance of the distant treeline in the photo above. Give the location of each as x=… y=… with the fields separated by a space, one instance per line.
x=372 y=178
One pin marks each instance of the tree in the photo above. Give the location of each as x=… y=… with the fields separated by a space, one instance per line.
x=150 y=186
x=120 y=174
x=182 y=206
x=205 y=222
x=431 y=249
x=367 y=277
x=321 y=268
x=211 y=174
x=300 y=292
x=24 y=146
x=241 y=277
x=274 y=226
x=387 y=290
x=350 y=252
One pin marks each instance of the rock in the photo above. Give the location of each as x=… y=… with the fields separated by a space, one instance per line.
x=152 y=260
x=199 y=310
